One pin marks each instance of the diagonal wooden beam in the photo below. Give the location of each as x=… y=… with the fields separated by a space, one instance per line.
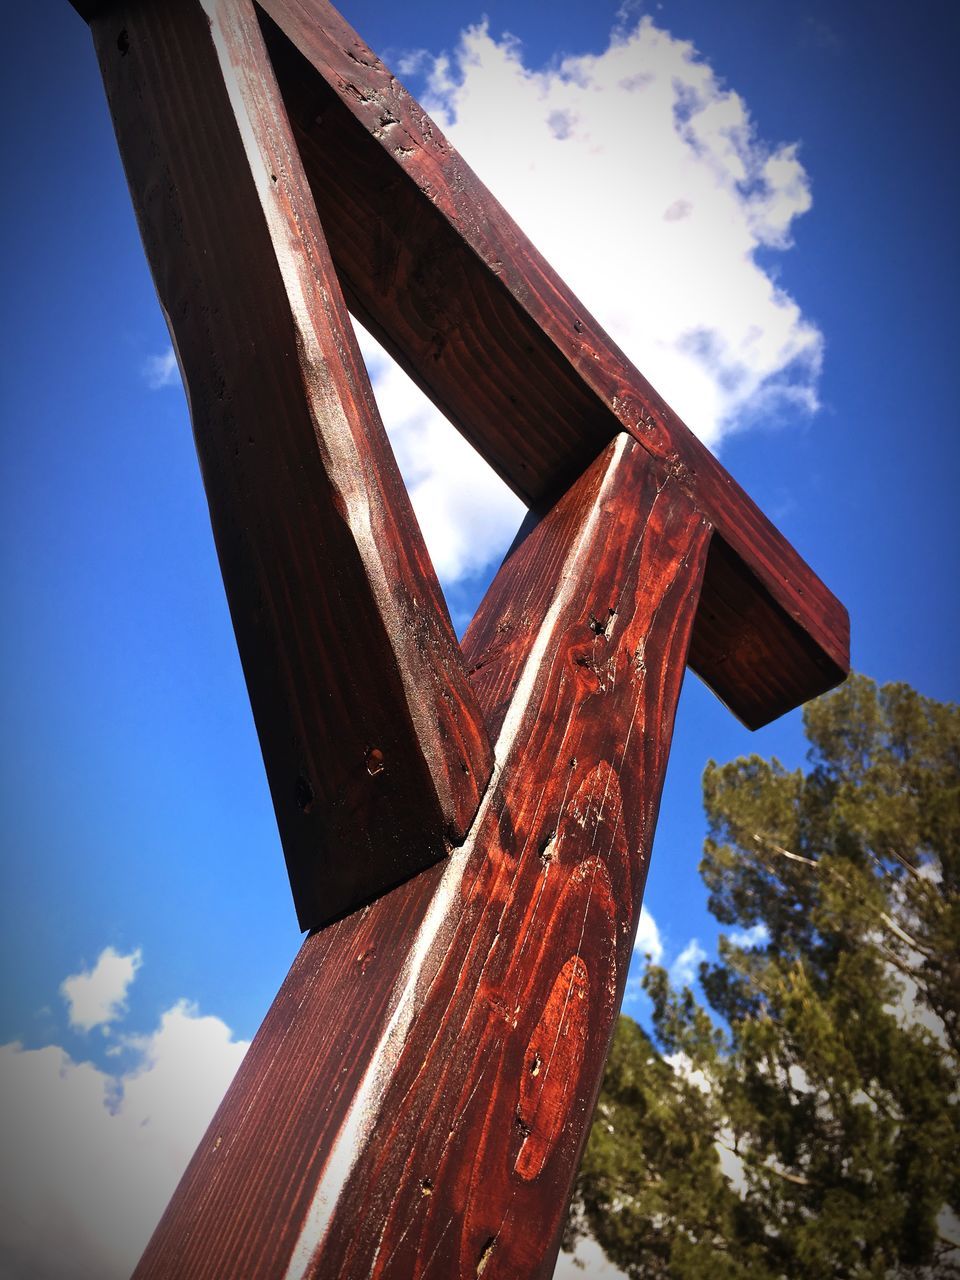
x=417 y=1099
x=436 y=1129
x=373 y=741
x=444 y=277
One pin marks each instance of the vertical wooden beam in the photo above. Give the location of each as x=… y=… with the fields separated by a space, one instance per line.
x=417 y=1099
x=374 y=745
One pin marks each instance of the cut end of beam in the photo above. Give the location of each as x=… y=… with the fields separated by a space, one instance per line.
x=90 y=9
x=374 y=745
x=757 y=659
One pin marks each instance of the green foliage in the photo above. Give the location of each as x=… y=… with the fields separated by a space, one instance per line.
x=806 y=1124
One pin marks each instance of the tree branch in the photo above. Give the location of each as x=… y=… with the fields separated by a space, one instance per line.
x=796 y=1178
x=903 y=935
x=888 y=920
x=794 y=857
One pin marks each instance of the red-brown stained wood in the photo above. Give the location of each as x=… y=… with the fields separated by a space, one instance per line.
x=437 y=269
x=375 y=749
x=416 y=1101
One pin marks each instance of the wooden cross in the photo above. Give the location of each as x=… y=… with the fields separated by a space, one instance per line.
x=466 y=827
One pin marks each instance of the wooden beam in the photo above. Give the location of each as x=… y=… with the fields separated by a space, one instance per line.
x=417 y=1099
x=88 y=9
x=373 y=741
x=436 y=268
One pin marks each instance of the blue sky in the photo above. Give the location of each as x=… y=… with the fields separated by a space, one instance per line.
x=806 y=325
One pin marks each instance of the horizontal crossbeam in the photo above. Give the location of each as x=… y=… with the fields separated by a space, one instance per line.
x=436 y=268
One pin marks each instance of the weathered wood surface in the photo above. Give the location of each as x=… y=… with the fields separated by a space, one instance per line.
x=437 y=269
x=417 y=1099
x=373 y=741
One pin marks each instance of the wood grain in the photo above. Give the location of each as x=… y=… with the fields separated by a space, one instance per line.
x=416 y=1101
x=373 y=741
x=436 y=268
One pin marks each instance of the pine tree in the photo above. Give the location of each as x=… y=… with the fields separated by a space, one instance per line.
x=823 y=1074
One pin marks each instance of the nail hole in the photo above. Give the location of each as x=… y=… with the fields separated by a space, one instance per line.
x=305 y=795
x=601 y=627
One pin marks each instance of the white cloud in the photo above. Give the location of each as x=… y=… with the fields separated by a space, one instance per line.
x=648 y=937
x=643 y=180
x=683 y=971
x=909 y=1008
x=931 y=870
x=586 y=1261
x=682 y=1065
x=467 y=514
x=757 y=935
x=88 y=1159
x=948 y=1224
x=161 y=371
x=732 y=1165
x=96 y=997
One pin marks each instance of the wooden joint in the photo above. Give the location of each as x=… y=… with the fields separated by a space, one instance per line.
x=482 y=994
x=521 y=367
